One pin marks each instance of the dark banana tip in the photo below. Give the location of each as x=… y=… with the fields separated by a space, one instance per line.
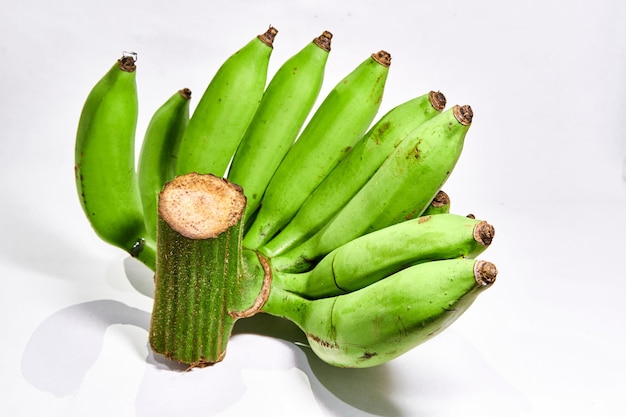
x=383 y=58
x=484 y=233
x=268 y=37
x=438 y=100
x=464 y=114
x=185 y=93
x=323 y=41
x=441 y=199
x=127 y=62
x=485 y=273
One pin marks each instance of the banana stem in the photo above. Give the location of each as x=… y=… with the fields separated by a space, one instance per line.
x=202 y=285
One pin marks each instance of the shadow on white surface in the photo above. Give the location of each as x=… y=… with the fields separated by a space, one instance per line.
x=65 y=347
x=67 y=344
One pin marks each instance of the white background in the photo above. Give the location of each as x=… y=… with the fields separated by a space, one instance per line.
x=542 y=163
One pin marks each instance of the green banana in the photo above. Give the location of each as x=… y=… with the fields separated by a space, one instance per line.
x=282 y=112
x=105 y=161
x=224 y=111
x=400 y=189
x=403 y=205
x=355 y=170
x=388 y=318
x=439 y=205
x=371 y=257
x=157 y=158
x=341 y=119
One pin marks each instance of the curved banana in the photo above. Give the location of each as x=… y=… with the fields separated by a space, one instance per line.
x=224 y=111
x=440 y=204
x=405 y=205
x=105 y=161
x=157 y=159
x=338 y=123
x=402 y=188
x=355 y=169
x=388 y=318
x=285 y=105
x=372 y=257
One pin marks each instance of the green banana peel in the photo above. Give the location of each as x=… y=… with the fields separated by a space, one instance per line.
x=410 y=177
x=355 y=170
x=372 y=257
x=157 y=158
x=338 y=123
x=285 y=105
x=224 y=111
x=104 y=159
x=382 y=321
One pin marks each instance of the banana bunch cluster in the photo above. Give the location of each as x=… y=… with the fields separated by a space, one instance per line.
x=346 y=211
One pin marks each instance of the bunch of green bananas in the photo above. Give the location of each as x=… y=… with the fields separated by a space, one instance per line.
x=344 y=213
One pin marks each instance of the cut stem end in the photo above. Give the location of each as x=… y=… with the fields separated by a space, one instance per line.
x=464 y=114
x=323 y=41
x=485 y=273
x=201 y=206
x=268 y=37
x=438 y=100
x=383 y=58
x=484 y=233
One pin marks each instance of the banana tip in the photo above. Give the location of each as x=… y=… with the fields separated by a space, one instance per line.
x=437 y=100
x=382 y=57
x=324 y=40
x=441 y=199
x=127 y=62
x=484 y=233
x=464 y=114
x=485 y=273
x=268 y=37
x=185 y=93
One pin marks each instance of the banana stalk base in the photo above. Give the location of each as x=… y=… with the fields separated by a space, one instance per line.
x=201 y=285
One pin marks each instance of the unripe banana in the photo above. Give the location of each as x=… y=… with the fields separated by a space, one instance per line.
x=282 y=112
x=401 y=188
x=355 y=169
x=225 y=109
x=372 y=257
x=405 y=205
x=388 y=318
x=439 y=205
x=341 y=119
x=105 y=160
x=157 y=159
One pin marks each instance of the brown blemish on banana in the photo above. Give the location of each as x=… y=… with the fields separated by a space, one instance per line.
x=463 y=114
x=484 y=233
x=485 y=273
x=268 y=37
x=368 y=355
x=322 y=342
x=383 y=58
x=437 y=100
x=323 y=41
x=380 y=131
x=423 y=219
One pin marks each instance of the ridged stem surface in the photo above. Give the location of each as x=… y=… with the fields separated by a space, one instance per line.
x=201 y=285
